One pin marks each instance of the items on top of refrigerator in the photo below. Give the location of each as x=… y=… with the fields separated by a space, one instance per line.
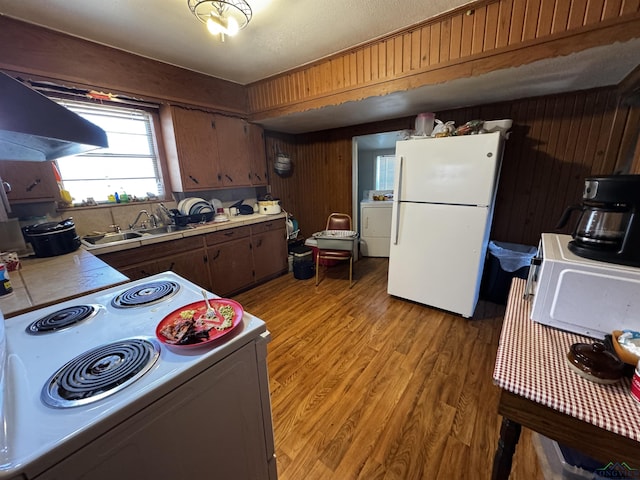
x=424 y=124
x=469 y=128
x=472 y=127
x=443 y=129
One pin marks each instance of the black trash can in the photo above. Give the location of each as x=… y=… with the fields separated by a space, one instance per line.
x=504 y=262
x=303 y=266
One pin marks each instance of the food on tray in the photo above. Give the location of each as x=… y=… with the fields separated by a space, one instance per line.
x=192 y=325
x=227 y=313
x=187 y=314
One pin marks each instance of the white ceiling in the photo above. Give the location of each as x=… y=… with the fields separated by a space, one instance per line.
x=284 y=34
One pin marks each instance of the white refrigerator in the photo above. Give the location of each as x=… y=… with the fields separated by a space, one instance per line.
x=443 y=205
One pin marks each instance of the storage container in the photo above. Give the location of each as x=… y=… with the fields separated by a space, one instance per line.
x=312 y=243
x=336 y=239
x=424 y=124
x=505 y=261
x=304 y=269
x=301 y=254
x=562 y=463
x=303 y=262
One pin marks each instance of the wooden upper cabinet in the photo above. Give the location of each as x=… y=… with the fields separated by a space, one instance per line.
x=233 y=151
x=257 y=155
x=191 y=145
x=208 y=151
x=27 y=182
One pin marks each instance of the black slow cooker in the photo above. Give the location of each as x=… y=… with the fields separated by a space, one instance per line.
x=52 y=238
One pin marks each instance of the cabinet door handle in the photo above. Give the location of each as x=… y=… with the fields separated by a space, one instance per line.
x=215 y=257
x=173 y=264
x=195 y=180
x=228 y=177
x=35 y=183
x=259 y=243
x=258 y=177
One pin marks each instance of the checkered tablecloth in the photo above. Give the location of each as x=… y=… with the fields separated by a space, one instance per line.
x=531 y=362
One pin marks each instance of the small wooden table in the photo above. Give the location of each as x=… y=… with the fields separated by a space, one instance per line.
x=542 y=393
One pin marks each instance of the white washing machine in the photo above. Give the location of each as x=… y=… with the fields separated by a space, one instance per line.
x=375 y=228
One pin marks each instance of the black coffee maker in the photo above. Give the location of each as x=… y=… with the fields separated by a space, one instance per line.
x=608 y=228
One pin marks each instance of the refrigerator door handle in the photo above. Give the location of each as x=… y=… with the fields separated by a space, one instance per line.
x=396 y=204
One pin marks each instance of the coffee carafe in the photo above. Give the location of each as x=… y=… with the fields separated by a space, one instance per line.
x=608 y=228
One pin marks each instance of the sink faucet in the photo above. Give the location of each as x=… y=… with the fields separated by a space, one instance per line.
x=151 y=217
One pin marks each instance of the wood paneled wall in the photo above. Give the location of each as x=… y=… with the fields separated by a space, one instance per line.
x=556 y=142
x=39 y=52
x=320 y=182
x=520 y=30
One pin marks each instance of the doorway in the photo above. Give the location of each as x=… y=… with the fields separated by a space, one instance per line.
x=367 y=149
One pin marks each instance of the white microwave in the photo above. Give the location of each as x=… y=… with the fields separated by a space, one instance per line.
x=580 y=295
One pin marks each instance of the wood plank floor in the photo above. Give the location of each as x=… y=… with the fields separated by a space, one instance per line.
x=368 y=386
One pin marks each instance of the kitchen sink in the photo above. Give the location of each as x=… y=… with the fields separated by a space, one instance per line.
x=158 y=230
x=110 y=238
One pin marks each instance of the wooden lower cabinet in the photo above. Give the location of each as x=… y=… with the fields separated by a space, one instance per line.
x=224 y=262
x=185 y=256
x=230 y=266
x=191 y=265
x=245 y=256
x=230 y=260
x=269 y=249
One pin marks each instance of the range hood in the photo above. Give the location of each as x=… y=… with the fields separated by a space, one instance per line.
x=34 y=127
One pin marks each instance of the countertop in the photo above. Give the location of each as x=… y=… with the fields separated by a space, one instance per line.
x=541 y=392
x=531 y=362
x=45 y=281
x=198 y=229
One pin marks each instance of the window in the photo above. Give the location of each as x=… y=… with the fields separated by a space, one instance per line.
x=385 y=170
x=130 y=164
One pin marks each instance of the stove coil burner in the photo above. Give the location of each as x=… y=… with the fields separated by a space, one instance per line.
x=62 y=319
x=145 y=294
x=100 y=372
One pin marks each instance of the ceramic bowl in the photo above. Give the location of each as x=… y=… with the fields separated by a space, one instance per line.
x=625 y=355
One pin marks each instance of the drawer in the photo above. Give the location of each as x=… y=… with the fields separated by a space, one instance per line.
x=151 y=252
x=267 y=226
x=226 y=235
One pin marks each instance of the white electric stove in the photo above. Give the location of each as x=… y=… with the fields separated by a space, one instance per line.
x=126 y=405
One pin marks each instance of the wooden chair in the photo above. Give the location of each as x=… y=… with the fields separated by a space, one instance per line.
x=337 y=221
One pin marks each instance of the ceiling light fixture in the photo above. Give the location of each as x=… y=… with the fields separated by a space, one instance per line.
x=222 y=17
